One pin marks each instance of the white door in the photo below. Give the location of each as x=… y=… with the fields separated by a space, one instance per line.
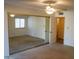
x=52 y=38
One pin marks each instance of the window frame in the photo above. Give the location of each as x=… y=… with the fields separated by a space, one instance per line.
x=19 y=23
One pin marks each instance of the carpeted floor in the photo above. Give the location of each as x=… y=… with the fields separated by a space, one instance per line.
x=54 y=51
x=21 y=43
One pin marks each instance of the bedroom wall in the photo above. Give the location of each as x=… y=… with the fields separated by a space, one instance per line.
x=15 y=31
x=36 y=26
x=68 y=27
x=6 y=41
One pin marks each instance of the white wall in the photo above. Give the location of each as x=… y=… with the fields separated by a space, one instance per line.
x=6 y=42
x=36 y=26
x=15 y=31
x=69 y=28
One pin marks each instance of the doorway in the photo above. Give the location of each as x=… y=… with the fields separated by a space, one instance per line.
x=60 y=29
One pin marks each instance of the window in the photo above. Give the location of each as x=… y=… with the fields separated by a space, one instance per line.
x=19 y=23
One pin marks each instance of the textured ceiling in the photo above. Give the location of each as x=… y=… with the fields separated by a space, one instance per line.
x=36 y=5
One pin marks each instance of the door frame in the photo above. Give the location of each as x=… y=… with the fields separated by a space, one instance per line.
x=64 y=27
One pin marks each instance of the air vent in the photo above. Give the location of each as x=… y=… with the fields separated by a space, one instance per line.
x=61 y=13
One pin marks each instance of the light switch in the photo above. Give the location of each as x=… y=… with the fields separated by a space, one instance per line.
x=67 y=27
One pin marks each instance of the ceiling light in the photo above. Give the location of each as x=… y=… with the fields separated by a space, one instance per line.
x=12 y=15
x=49 y=10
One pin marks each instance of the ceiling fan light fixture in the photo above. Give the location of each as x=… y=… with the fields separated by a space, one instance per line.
x=49 y=10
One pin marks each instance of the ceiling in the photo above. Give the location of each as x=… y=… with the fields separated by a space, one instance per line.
x=33 y=6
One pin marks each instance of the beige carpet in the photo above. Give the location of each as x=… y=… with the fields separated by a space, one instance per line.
x=54 y=51
x=21 y=43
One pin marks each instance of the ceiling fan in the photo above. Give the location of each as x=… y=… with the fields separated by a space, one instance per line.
x=49 y=8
